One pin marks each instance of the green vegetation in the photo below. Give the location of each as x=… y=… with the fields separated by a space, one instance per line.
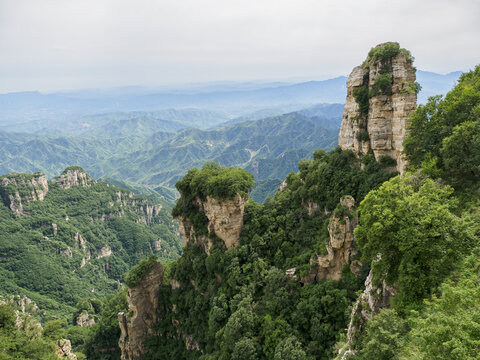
x=264 y=189
x=385 y=335
x=387 y=51
x=382 y=85
x=26 y=341
x=361 y=96
x=447 y=327
x=101 y=341
x=215 y=181
x=444 y=134
x=411 y=88
x=43 y=261
x=409 y=232
x=138 y=272
x=238 y=303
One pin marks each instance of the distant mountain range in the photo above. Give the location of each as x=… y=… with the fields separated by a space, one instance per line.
x=270 y=148
x=233 y=100
x=150 y=138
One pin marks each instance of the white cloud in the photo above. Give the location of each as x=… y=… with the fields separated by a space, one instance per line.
x=52 y=44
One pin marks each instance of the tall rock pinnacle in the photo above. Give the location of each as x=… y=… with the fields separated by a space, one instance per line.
x=381 y=94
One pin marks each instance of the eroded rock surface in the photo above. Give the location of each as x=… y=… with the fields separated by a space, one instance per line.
x=16 y=190
x=105 y=251
x=148 y=212
x=225 y=220
x=85 y=319
x=73 y=176
x=142 y=305
x=384 y=127
x=340 y=248
x=370 y=302
x=64 y=350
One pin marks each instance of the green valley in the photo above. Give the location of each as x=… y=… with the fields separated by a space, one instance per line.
x=74 y=238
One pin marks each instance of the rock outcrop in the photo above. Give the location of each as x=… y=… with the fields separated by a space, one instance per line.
x=81 y=244
x=148 y=212
x=370 y=302
x=25 y=322
x=225 y=220
x=340 y=248
x=381 y=94
x=142 y=304
x=64 y=350
x=85 y=319
x=105 y=251
x=16 y=190
x=73 y=176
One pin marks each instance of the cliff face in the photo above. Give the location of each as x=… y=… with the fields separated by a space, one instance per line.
x=370 y=302
x=340 y=248
x=19 y=189
x=73 y=176
x=381 y=94
x=142 y=305
x=147 y=211
x=225 y=220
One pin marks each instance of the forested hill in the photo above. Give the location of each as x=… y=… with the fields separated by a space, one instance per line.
x=74 y=238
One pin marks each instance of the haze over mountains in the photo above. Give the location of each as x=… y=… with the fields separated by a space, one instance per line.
x=152 y=137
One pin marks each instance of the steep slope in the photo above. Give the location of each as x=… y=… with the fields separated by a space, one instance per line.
x=256 y=290
x=381 y=94
x=74 y=238
x=420 y=233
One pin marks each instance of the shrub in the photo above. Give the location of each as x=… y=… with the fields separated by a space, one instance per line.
x=139 y=271
x=382 y=85
x=362 y=98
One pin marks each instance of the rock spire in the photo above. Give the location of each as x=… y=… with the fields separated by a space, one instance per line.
x=381 y=94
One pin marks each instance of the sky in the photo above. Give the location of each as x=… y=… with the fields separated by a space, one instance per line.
x=50 y=45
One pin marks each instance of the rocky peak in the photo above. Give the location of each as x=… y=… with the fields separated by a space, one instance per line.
x=142 y=305
x=16 y=190
x=73 y=176
x=381 y=94
x=225 y=220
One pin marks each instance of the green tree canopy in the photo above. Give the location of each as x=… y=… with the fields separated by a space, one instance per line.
x=447 y=130
x=410 y=234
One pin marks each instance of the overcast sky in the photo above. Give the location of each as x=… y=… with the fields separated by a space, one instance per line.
x=68 y=44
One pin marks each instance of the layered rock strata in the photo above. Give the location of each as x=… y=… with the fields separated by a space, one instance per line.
x=381 y=94
x=136 y=326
